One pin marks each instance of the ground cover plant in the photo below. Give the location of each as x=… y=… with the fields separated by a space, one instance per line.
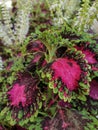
x=49 y=65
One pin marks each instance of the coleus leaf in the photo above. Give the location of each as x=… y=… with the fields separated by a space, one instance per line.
x=36 y=46
x=24 y=97
x=94 y=89
x=69 y=72
x=17 y=95
x=37 y=62
x=90 y=54
x=66 y=74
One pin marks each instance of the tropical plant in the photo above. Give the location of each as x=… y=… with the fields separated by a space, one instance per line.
x=48 y=74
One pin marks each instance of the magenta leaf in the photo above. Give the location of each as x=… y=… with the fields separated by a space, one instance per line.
x=68 y=71
x=17 y=95
x=90 y=54
x=24 y=96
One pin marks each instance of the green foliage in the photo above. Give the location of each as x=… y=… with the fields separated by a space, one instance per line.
x=38 y=124
x=56 y=24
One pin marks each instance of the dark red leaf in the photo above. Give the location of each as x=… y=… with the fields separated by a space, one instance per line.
x=94 y=89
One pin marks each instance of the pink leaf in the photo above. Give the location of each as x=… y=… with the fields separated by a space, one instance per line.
x=17 y=95
x=68 y=71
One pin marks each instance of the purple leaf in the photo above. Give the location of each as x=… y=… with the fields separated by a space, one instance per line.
x=94 y=89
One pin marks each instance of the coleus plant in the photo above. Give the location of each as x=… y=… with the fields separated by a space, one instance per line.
x=55 y=71
x=44 y=75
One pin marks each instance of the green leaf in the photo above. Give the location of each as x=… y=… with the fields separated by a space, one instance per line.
x=86 y=128
x=83 y=85
x=4 y=111
x=21 y=122
x=31 y=127
x=20 y=114
x=55 y=90
x=82 y=97
x=12 y=122
x=40 y=105
x=61 y=95
x=32 y=118
x=43 y=75
x=36 y=114
x=8 y=117
x=38 y=127
x=26 y=121
x=51 y=85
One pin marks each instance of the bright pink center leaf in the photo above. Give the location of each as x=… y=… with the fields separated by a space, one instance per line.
x=17 y=95
x=68 y=71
